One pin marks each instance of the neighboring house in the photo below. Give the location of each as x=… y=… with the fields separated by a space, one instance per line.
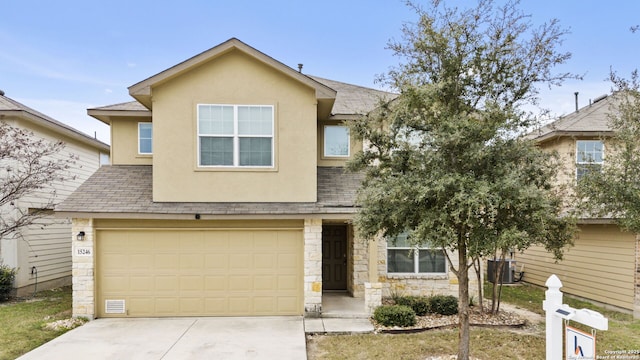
x=604 y=264
x=42 y=252
x=227 y=195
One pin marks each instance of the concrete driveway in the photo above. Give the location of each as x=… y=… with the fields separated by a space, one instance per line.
x=180 y=338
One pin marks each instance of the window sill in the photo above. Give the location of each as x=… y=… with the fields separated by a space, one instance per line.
x=434 y=276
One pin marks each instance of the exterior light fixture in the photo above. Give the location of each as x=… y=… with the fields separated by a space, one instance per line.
x=80 y=236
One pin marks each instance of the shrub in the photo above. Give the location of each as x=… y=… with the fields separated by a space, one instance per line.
x=420 y=305
x=395 y=315
x=443 y=304
x=7 y=275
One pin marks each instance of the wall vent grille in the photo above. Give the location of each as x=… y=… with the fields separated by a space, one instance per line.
x=114 y=307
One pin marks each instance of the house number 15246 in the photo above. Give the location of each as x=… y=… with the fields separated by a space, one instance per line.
x=83 y=251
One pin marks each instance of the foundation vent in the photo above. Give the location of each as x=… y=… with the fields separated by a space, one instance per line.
x=114 y=307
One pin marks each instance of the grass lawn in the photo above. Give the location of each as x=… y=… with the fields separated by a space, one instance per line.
x=486 y=343
x=22 y=322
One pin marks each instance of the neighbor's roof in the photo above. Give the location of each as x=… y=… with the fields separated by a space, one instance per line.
x=9 y=106
x=113 y=191
x=591 y=120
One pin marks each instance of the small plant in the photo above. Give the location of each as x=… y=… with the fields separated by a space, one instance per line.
x=443 y=304
x=420 y=305
x=395 y=315
x=7 y=275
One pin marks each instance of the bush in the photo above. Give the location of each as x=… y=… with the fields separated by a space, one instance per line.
x=395 y=315
x=419 y=305
x=443 y=304
x=7 y=275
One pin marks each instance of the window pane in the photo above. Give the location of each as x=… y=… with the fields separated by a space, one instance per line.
x=400 y=261
x=255 y=120
x=144 y=138
x=255 y=152
x=216 y=151
x=431 y=261
x=215 y=120
x=336 y=141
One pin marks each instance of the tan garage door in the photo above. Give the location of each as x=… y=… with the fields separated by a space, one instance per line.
x=142 y=273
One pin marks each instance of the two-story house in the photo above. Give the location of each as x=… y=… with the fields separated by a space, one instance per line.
x=227 y=195
x=41 y=252
x=604 y=263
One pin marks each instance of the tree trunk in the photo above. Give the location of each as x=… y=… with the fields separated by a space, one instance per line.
x=463 y=300
x=477 y=266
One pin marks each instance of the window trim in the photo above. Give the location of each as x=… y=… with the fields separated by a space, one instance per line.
x=416 y=259
x=580 y=164
x=139 y=138
x=324 y=142
x=236 y=138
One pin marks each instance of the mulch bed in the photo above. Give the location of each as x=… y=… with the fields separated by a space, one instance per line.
x=476 y=318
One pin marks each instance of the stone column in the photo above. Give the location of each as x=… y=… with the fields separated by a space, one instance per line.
x=82 y=269
x=312 y=267
x=372 y=297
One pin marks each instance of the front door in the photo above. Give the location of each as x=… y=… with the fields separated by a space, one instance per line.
x=334 y=257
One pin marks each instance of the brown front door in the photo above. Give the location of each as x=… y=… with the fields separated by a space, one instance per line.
x=334 y=257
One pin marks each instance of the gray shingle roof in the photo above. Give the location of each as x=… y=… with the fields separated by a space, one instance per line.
x=9 y=105
x=127 y=189
x=350 y=99
x=354 y=99
x=591 y=119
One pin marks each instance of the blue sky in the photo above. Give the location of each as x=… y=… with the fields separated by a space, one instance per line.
x=62 y=57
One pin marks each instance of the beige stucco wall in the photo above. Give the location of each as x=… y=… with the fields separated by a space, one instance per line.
x=124 y=142
x=234 y=78
x=601 y=266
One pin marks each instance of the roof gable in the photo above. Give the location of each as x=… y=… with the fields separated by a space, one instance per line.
x=142 y=91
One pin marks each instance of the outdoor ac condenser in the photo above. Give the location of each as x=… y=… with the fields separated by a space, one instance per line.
x=508 y=270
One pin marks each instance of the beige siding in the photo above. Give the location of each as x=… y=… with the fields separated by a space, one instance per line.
x=600 y=267
x=46 y=245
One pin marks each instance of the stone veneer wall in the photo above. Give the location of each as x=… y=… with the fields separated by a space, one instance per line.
x=420 y=284
x=312 y=267
x=359 y=264
x=83 y=269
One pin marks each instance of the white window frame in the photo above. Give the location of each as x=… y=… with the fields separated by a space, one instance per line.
x=325 y=147
x=139 y=138
x=236 y=137
x=415 y=251
x=580 y=164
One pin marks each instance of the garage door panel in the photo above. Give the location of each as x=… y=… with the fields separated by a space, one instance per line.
x=201 y=273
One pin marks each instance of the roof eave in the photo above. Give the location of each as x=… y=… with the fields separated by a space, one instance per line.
x=558 y=134
x=106 y=115
x=64 y=130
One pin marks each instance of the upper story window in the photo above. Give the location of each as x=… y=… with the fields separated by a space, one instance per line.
x=336 y=141
x=404 y=258
x=589 y=156
x=235 y=135
x=145 y=138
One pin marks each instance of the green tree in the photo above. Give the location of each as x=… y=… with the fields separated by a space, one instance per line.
x=445 y=160
x=614 y=190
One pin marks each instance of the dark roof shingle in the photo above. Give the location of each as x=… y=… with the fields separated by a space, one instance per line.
x=127 y=189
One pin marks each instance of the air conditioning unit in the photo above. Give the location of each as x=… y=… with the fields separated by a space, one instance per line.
x=508 y=270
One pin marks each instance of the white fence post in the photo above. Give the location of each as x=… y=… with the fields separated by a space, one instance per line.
x=553 y=301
